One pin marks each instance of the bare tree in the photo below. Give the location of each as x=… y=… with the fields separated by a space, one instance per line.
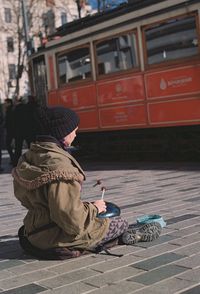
x=22 y=38
x=20 y=48
x=17 y=32
x=35 y=21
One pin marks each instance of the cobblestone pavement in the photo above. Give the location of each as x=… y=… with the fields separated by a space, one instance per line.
x=171 y=264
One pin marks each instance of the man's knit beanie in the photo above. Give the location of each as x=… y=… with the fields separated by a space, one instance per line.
x=57 y=121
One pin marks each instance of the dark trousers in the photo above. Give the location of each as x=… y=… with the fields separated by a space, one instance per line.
x=1 y=142
x=9 y=147
x=19 y=140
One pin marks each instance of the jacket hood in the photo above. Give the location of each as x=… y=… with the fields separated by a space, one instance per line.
x=46 y=162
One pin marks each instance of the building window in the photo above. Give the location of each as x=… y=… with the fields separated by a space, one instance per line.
x=10 y=44
x=8 y=16
x=12 y=71
x=63 y=18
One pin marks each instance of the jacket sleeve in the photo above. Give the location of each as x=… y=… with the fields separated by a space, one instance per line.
x=67 y=210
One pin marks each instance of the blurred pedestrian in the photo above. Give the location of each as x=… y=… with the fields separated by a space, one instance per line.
x=19 y=122
x=31 y=108
x=9 y=126
x=24 y=126
x=1 y=135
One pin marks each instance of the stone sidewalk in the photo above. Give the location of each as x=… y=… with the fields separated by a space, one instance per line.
x=170 y=264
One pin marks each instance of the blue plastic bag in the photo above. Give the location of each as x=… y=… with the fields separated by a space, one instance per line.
x=149 y=218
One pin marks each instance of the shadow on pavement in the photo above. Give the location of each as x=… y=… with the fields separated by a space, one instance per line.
x=92 y=166
x=10 y=249
x=95 y=164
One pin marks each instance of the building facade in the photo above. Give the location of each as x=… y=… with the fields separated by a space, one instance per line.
x=24 y=25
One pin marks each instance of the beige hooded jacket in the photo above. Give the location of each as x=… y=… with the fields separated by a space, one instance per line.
x=47 y=181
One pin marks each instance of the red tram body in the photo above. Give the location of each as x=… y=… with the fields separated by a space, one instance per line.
x=134 y=68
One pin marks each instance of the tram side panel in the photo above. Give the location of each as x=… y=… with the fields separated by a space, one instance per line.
x=173 y=96
x=121 y=102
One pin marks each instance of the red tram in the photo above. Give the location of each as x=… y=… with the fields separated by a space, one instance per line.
x=132 y=74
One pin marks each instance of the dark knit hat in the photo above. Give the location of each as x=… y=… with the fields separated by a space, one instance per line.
x=57 y=121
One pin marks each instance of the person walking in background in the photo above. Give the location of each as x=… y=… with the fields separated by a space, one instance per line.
x=9 y=126
x=20 y=122
x=24 y=126
x=1 y=135
x=31 y=108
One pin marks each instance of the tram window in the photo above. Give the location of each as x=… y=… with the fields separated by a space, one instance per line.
x=40 y=79
x=74 y=65
x=171 y=40
x=116 y=54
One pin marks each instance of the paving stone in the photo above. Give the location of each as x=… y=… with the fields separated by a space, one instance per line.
x=127 y=250
x=9 y=264
x=146 y=290
x=72 y=277
x=7 y=204
x=190 y=262
x=17 y=281
x=12 y=254
x=157 y=250
x=189 y=249
x=187 y=223
x=34 y=265
x=124 y=287
x=169 y=286
x=4 y=274
x=194 y=199
x=157 y=261
x=180 y=218
x=28 y=289
x=115 y=263
x=140 y=203
x=186 y=231
x=158 y=274
x=194 y=290
x=171 y=178
x=111 y=277
x=75 y=288
x=11 y=216
x=83 y=262
x=186 y=240
x=8 y=246
x=191 y=275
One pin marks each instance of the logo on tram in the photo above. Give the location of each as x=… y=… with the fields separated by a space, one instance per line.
x=177 y=82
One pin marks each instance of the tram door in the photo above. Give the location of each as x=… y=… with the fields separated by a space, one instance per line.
x=40 y=79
